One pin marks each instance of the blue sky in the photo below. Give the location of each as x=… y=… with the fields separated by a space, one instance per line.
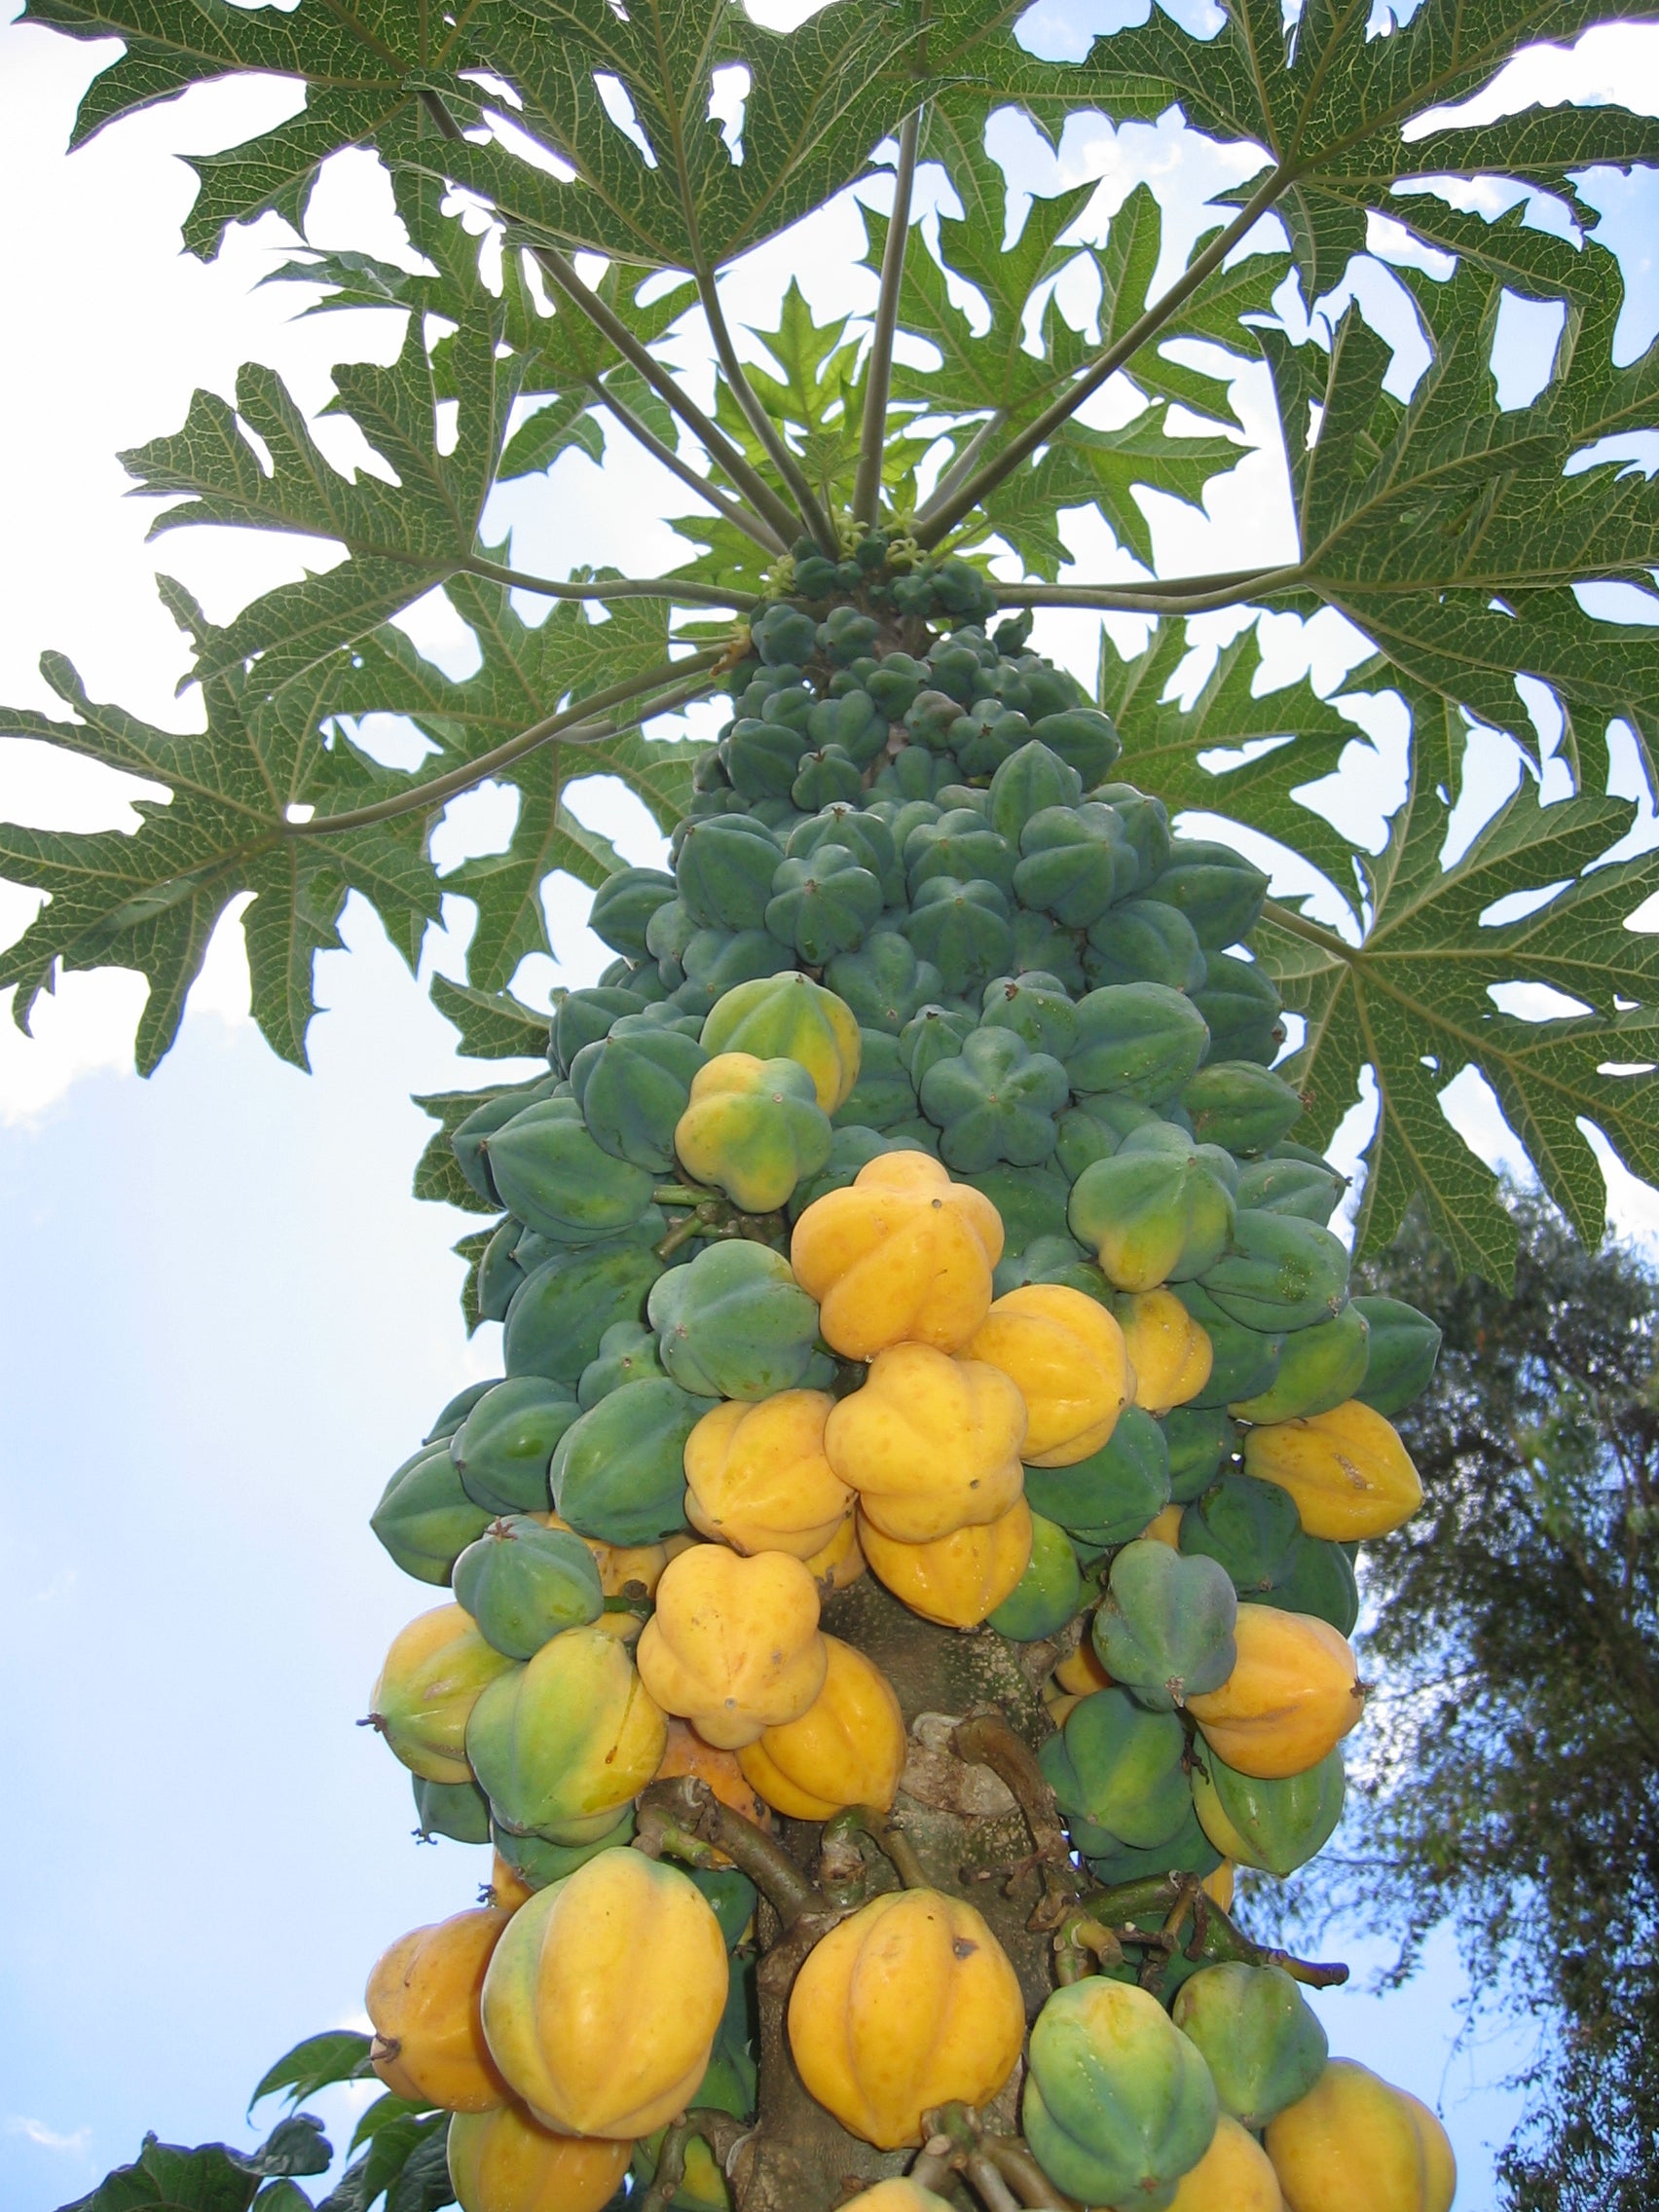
x=224 y=1319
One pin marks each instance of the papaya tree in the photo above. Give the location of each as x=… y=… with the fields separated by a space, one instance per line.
x=908 y=1561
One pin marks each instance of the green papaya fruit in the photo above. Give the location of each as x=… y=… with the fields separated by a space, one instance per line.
x=424 y=1519
x=624 y=903
x=1201 y=1441
x=1219 y=891
x=457 y=1411
x=1036 y=1007
x=633 y=1085
x=468 y=1140
x=884 y=982
x=884 y=1094
x=457 y=1809
x=845 y=632
x=962 y=928
x=717 y=961
x=582 y=1016
x=1275 y=1825
x=502 y=1451
x=1054 y=1259
x=928 y=720
x=987 y=735
x=1031 y=1201
x=850 y=1149
x=1042 y=947
x=1306 y=1188
x=1094 y=1128
x=867 y=836
x=1250 y=1528
x=1074 y=863
x=852 y=723
x=954 y=667
x=1117 y=2104
x=1165 y=1629
x=1405 y=1345
x=1240 y=1002
x=1319 y=1368
x=627 y=1353
x=1151 y=1215
x=1120 y=1767
x=1084 y=738
x=1028 y=783
x=1144 y=941
x=498 y=1271
x=754 y=1130
x=825 y=776
x=1115 y=1493
x=763 y=758
x=639 y=979
x=725 y=872
x=1240 y=1105
x=1145 y=823
x=823 y=903
x=1141 y=1040
x=538 y=1863
x=552 y=1174
x=894 y=685
x=1280 y=1273
x=1244 y=1360
x=1189 y=1851
x=618 y=1473
x=963 y=846
x=565 y=1304
x=935 y=1033
x=524 y=1583
x=733 y=1324
x=1048 y=1593
x=995 y=1101
x=670 y=930
x=1321 y=1581
x=1257 y=2034
x=783 y=634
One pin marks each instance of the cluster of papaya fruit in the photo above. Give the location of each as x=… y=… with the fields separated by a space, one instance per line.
x=913 y=1195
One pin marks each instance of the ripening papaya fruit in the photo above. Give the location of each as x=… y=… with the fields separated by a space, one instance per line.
x=1065 y=1355
x=1321 y=1368
x=564 y=1306
x=956 y=1580
x=1234 y=2175
x=524 y=1582
x=1117 y=2104
x=432 y=1677
x=506 y=2162
x=1171 y=1354
x=1352 y=2145
x=902 y=1254
x=1259 y=2038
x=534 y=1864
x=734 y=1645
x=424 y=1519
x=1440 y=2164
x=458 y=1809
x=846 y=1748
x=1120 y=1767
x=600 y=2011
x=561 y=1744
x=1347 y=1469
x=1292 y=1697
x=422 y=2000
x=1048 y=1593
x=753 y=1128
x=1275 y=1825
x=1279 y=1273
x=1403 y=1347
x=618 y=1473
x=758 y=1479
x=734 y=1323
x=907 y=2004
x=789 y=1017
x=901 y=2195
x=1110 y=1495
x=1164 y=1630
x=929 y=1442
x=1243 y=1360
x=505 y=1888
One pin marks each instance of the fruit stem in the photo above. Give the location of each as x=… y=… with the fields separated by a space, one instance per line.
x=1216 y=1937
x=992 y=2187
x=683 y=1809
x=890 y=1840
x=1015 y=2162
x=985 y=1740
x=718 y=2130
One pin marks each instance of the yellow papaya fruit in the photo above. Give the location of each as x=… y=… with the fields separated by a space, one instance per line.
x=900 y=1255
x=956 y=1580
x=602 y=1999
x=1234 y=2175
x=931 y=1444
x=506 y=2162
x=734 y=1645
x=901 y=2195
x=1061 y=1705
x=1291 y=1698
x=756 y=1477
x=507 y=1889
x=1065 y=1355
x=846 y=1748
x=1080 y=1671
x=839 y=1566
x=433 y=1675
x=907 y=2004
x=1219 y=1883
x=1350 y=2144
x=1170 y=1353
x=1348 y=1472
x=687 y=1753
x=1440 y=2162
x=620 y=1564
x=423 y=2001
x=1166 y=1528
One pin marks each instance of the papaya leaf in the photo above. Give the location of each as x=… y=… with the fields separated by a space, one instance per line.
x=493 y=1026
x=437 y=1171
x=423 y=2183
x=164 y=2177
x=339 y=2055
x=471 y=1249
x=282 y=2196
x=397 y=2146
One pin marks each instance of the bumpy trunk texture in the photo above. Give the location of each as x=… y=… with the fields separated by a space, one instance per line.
x=961 y=1821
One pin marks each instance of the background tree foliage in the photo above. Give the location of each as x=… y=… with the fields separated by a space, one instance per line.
x=1513 y=1783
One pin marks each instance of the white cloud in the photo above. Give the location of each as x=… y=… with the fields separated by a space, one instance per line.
x=47 y=2138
